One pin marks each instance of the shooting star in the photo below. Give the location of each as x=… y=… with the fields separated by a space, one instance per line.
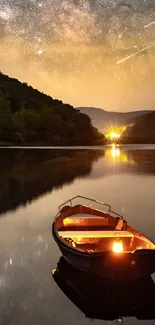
x=153 y=22
x=134 y=54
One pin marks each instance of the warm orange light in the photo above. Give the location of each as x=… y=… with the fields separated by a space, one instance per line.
x=114 y=135
x=117 y=247
x=115 y=152
x=77 y=234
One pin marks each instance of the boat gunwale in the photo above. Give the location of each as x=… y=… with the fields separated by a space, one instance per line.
x=105 y=215
x=91 y=200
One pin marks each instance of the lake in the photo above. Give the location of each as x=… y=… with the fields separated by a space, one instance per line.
x=33 y=183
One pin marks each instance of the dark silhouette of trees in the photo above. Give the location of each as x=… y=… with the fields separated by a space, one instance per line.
x=29 y=116
x=142 y=130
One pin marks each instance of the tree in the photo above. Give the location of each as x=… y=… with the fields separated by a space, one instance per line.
x=5 y=118
x=27 y=115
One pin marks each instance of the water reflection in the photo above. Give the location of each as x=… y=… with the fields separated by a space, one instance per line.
x=144 y=159
x=99 y=298
x=116 y=154
x=27 y=174
x=28 y=252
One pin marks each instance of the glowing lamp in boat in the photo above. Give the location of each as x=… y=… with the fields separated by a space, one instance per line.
x=117 y=247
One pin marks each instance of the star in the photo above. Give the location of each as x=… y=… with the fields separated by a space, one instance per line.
x=39 y=52
x=69 y=47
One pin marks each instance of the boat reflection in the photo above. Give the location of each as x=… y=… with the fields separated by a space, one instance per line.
x=99 y=298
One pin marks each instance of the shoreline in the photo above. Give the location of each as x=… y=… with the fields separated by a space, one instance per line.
x=84 y=147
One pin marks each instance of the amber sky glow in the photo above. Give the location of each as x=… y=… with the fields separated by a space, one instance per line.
x=70 y=50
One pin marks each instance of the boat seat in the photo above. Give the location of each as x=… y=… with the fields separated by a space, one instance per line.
x=86 y=221
x=95 y=234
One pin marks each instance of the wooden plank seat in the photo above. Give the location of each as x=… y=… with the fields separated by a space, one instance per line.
x=95 y=234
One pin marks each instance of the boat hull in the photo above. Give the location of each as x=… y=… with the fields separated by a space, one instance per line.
x=108 y=263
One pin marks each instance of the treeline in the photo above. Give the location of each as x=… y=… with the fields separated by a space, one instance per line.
x=142 y=130
x=28 y=116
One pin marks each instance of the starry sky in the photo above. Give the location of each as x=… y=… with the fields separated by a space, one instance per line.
x=97 y=53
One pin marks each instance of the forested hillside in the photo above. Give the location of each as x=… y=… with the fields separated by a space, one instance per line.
x=28 y=116
x=142 y=130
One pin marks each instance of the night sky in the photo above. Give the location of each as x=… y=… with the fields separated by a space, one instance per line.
x=82 y=51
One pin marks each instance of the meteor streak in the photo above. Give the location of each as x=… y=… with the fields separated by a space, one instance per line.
x=134 y=54
x=153 y=22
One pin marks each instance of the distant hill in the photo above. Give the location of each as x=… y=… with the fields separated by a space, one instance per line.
x=141 y=131
x=101 y=119
x=28 y=116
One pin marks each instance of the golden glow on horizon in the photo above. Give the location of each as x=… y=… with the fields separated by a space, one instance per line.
x=114 y=133
x=71 y=74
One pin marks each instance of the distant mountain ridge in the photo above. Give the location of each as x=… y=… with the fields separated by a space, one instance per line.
x=101 y=119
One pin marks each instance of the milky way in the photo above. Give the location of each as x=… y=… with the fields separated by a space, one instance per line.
x=70 y=49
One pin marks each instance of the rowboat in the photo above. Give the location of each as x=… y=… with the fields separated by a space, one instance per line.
x=100 y=241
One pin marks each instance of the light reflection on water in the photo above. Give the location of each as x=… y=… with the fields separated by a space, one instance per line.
x=117 y=154
x=124 y=178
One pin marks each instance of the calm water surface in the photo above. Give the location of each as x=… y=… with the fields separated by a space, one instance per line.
x=32 y=185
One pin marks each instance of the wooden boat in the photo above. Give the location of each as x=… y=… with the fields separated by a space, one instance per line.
x=100 y=240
